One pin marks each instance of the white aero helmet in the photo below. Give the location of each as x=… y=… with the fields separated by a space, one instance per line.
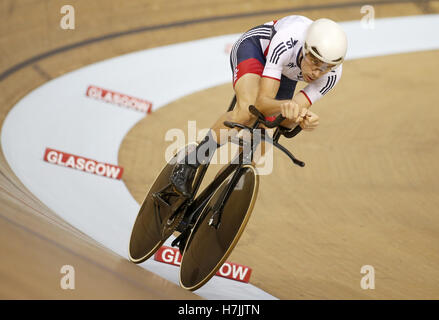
x=327 y=41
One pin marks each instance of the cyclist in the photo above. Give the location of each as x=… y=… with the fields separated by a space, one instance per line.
x=267 y=61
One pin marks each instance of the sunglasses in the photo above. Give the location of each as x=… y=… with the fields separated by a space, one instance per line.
x=320 y=65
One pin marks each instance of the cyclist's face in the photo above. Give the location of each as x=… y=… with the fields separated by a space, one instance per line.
x=313 y=68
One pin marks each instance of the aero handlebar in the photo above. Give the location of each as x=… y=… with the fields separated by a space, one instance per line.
x=288 y=133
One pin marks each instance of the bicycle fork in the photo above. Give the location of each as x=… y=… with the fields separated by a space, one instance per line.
x=218 y=208
x=215 y=220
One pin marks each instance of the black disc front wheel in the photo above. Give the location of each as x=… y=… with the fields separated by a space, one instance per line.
x=208 y=247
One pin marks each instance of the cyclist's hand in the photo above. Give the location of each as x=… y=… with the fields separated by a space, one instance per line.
x=292 y=111
x=310 y=121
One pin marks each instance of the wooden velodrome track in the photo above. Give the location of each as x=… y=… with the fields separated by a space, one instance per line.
x=368 y=195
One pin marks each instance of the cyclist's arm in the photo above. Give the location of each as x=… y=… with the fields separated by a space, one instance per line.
x=278 y=55
x=320 y=87
x=267 y=103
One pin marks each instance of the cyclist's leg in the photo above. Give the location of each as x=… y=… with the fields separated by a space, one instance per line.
x=246 y=90
x=247 y=62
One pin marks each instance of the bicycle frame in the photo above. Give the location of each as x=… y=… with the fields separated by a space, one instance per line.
x=196 y=205
x=180 y=213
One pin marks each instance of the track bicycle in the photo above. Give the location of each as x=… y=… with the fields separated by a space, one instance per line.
x=210 y=223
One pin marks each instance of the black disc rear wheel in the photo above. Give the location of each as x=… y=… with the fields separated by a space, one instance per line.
x=156 y=221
